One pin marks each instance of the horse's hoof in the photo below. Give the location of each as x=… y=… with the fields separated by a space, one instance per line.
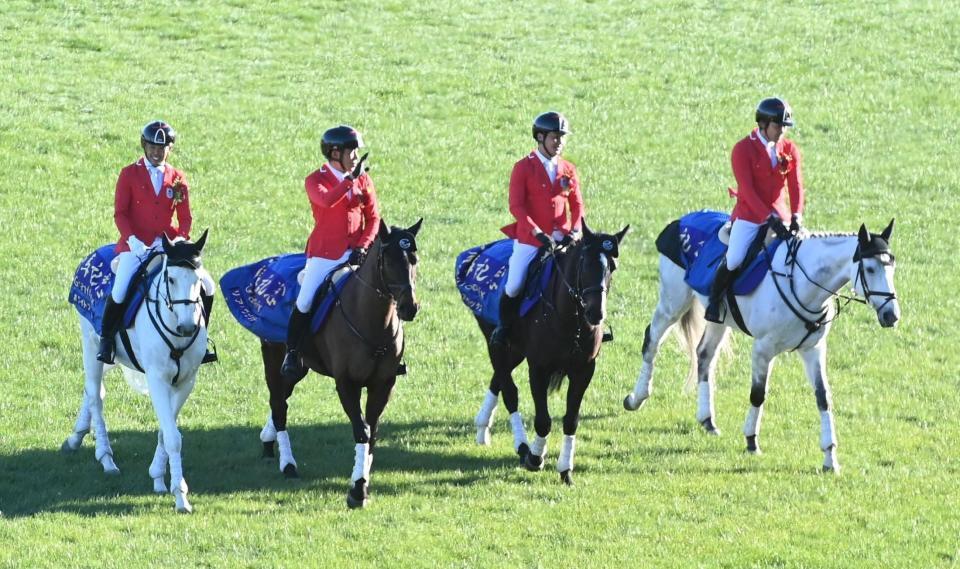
x=630 y=402
x=183 y=506
x=65 y=448
x=290 y=471
x=483 y=436
x=159 y=486
x=567 y=477
x=711 y=429
x=357 y=496
x=533 y=463
x=522 y=451
x=753 y=446
x=267 y=450
x=831 y=469
x=112 y=471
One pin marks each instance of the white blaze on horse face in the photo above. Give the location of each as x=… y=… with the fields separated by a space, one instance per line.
x=184 y=284
x=878 y=273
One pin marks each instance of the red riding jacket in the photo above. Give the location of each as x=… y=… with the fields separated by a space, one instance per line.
x=138 y=211
x=538 y=204
x=344 y=219
x=760 y=186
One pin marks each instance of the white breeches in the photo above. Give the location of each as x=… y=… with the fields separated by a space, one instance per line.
x=317 y=269
x=742 y=234
x=517 y=268
x=127 y=264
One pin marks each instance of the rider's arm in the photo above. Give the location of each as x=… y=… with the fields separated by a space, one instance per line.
x=518 y=195
x=575 y=199
x=324 y=196
x=746 y=190
x=371 y=215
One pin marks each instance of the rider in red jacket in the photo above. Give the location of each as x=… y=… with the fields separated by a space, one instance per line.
x=346 y=218
x=148 y=194
x=765 y=164
x=546 y=201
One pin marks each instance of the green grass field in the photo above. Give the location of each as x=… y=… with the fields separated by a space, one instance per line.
x=444 y=92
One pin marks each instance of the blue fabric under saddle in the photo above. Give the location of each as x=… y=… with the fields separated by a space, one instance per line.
x=261 y=296
x=481 y=275
x=92 y=284
x=702 y=253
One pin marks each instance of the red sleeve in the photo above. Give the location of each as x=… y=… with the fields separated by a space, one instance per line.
x=325 y=197
x=122 y=201
x=576 y=203
x=371 y=216
x=795 y=184
x=743 y=172
x=518 y=194
x=184 y=217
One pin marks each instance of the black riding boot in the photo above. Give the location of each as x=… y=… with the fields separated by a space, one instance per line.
x=720 y=283
x=292 y=370
x=112 y=319
x=207 y=300
x=509 y=313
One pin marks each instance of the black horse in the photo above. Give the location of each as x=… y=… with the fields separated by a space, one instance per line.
x=559 y=337
x=359 y=345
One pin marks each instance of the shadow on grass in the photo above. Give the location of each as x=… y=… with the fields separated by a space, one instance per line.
x=227 y=461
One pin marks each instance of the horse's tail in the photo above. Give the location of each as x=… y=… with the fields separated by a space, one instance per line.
x=556 y=380
x=692 y=325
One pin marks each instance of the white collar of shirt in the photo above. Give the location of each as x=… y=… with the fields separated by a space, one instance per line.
x=156 y=174
x=549 y=164
x=770 y=146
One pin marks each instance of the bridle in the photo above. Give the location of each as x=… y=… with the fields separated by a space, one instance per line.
x=578 y=293
x=393 y=292
x=156 y=318
x=819 y=316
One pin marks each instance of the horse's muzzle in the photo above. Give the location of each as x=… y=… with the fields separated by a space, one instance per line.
x=408 y=311
x=186 y=330
x=888 y=318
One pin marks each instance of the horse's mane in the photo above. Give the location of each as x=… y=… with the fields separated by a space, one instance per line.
x=822 y=234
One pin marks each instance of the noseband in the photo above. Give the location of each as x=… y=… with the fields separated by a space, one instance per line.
x=156 y=318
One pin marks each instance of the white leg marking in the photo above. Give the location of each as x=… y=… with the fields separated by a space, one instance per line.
x=565 y=462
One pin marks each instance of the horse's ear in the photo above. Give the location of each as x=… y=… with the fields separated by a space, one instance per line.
x=167 y=246
x=415 y=227
x=864 y=235
x=887 y=232
x=622 y=234
x=384 y=231
x=586 y=230
x=202 y=241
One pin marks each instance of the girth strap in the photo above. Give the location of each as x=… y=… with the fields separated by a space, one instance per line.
x=735 y=311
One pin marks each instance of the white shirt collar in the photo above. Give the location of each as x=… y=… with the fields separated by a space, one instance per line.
x=544 y=160
x=340 y=175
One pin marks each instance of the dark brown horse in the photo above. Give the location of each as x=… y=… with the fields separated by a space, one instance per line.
x=559 y=337
x=359 y=345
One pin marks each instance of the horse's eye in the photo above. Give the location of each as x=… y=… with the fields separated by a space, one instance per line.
x=871 y=270
x=169 y=280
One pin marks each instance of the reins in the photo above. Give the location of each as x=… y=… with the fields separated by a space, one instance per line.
x=156 y=318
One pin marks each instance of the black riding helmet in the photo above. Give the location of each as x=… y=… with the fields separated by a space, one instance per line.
x=158 y=132
x=776 y=110
x=550 y=121
x=340 y=138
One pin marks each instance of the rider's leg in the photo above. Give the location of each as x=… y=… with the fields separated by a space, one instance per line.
x=206 y=296
x=127 y=265
x=742 y=234
x=511 y=299
x=316 y=271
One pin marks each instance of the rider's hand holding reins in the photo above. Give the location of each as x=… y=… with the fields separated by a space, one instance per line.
x=357 y=256
x=545 y=240
x=795 y=223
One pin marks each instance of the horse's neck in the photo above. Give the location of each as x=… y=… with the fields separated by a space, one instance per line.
x=827 y=261
x=566 y=275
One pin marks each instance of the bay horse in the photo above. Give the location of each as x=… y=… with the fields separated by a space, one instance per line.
x=168 y=340
x=561 y=336
x=360 y=345
x=791 y=309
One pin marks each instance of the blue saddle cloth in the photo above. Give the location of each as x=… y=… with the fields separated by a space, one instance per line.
x=481 y=275
x=261 y=296
x=702 y=253
x=92 y=284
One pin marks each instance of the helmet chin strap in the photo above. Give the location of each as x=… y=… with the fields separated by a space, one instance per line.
x=542 y=145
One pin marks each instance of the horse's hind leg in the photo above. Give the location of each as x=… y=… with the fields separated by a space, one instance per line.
x=762 y=364
x=706 y=383
x=503 y=365
x=484 y=419
x=580 y=378
x=349 y=393
x=676 y=300
x=82 y=425
x=275 y=429
x=815 y=363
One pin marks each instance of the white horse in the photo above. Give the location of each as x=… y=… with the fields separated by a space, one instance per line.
x=168 y=339
x=790 y=310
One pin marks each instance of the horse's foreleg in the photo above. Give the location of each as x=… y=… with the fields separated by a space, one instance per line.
x=377 y=398
x=815 y=363
x=542 y=423
x=580 y=379
x=349 y=393
x=82 y=425
x=484 y=419
x=706 y=383
x=164 y=399
x=504 y=362
x=668 y=311
x=762 y=364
